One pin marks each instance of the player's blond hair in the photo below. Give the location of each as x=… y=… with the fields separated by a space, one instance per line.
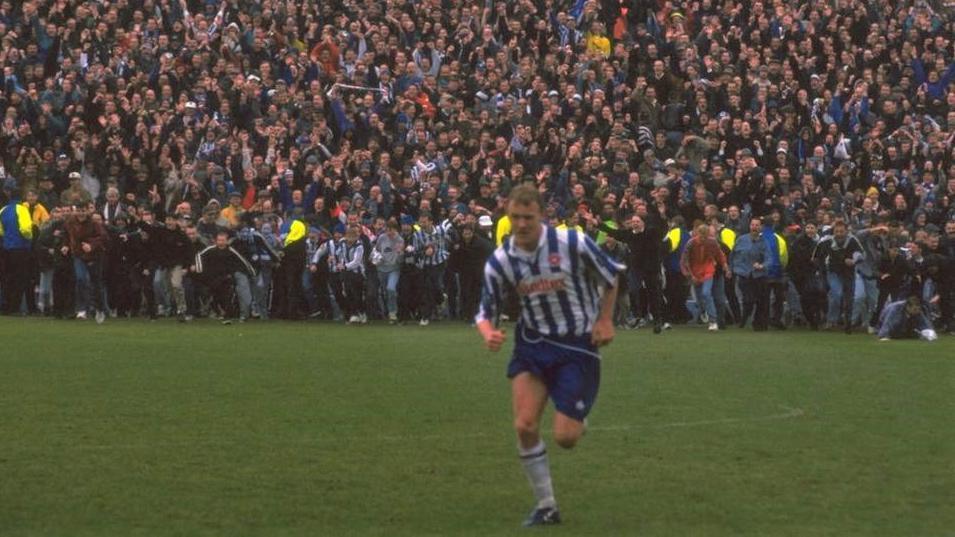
x=525 y=195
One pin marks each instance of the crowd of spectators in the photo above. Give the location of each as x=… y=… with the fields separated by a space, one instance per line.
x=181 y=157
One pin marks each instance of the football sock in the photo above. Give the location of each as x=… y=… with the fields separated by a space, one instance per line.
x=537 y=470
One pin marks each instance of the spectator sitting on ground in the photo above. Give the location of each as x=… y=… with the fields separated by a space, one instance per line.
x=906 y=319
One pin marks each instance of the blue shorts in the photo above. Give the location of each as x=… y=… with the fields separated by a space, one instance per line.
x=568 y=365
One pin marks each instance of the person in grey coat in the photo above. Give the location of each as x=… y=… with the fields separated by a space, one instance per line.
x=905 y=319
x=866 y=299
x=387 y=257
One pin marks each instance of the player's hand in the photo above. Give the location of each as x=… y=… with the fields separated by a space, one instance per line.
x=603 y=332
x=494 y=340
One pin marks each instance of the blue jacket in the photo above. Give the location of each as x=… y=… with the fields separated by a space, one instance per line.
x=777 y=253
x=747 y=251
x=892 y=321
x=675 y=240
x=16 y=226
x=936 y=90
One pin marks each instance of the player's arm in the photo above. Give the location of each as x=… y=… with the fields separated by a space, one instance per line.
x=603 y=327
x=621 y=235
x=494 y=338
x=607 y=271
x=492 y=299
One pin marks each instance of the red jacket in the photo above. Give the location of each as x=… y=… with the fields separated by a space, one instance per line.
x=701 y=258
x=89 y=232
x=250 y=194
x=330 y=65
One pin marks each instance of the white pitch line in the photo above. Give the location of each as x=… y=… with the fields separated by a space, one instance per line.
x=790 y=413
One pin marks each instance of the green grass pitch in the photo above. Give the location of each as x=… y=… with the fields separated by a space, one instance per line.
x=133 y=428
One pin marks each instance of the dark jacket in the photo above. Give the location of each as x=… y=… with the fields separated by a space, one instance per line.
x=126 y=249
x=801 y=265
x=646 y=249
x=215 y=263
x=52 y=237
x=896 y=270
x=469 y=258
x=944 y=277
x=831 y=254
x=168 y=247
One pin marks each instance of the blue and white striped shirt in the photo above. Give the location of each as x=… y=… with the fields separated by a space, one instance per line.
x=559 y=285
x=311 y=247
x=351 y=256
x=341 y=256
x=439 y=239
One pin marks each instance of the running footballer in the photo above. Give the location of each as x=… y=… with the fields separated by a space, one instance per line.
x=566 y=288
